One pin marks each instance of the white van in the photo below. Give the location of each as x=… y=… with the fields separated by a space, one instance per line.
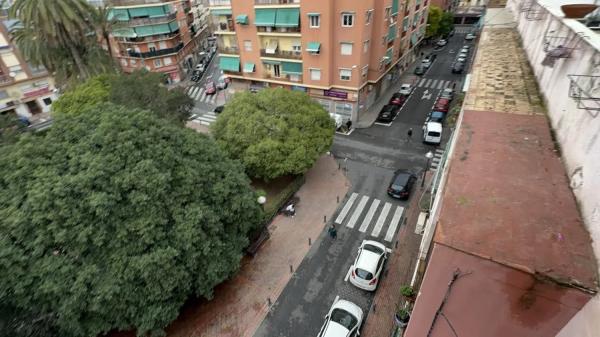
x=432 y=133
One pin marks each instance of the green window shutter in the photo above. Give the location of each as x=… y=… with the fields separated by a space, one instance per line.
x=173 y=26
x=405 y=24
x=394 y=7
x=249 y=67
x=417 y=2
x=291 y=68
x=118 y=14
x=164 y=28
x=133 y=12
x=413 y=38
x=229 y=63
x=271 y=62
x=265 y=17
x=142 y=31
x=220 y=11
x=156 y=11
x=313 y=47
x=392 y=33
x=241 y=19
x=287 y=17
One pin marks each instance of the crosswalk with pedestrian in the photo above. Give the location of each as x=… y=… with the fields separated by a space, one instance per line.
x=380 y=214
x=432 y=83
x=199 y=94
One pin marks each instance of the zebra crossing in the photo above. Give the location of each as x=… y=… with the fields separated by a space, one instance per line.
x=199 y=94
x=388 y=214
x=463 y=30
x=437 y=158
x=204 y=117
x=433 y=83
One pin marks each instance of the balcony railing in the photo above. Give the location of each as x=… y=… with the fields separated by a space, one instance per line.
x=224 y=26
x=278 y=29
x=152 y=38
x=156 y=53
x=219 y=2
x=135 y=2
x=287 y=54
x=4 y=79
x=284 y=77
x=152 y=21
x=228 y=50
x=276 y=2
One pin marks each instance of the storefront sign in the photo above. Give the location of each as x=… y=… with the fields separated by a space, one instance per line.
x=335 y=93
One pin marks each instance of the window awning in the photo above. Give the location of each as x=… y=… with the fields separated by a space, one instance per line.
x=229 y=63
x=292 y=68
x=241 y=19
x=288 y=17
x=118 y=14
x=394 y=7
x=313 y=47
x=124 y=32
x=265 y=17
x=271 y=62
x=391 y=33
x=249 y=67
x=413 y=38
x=271 y=47
x=222 y=11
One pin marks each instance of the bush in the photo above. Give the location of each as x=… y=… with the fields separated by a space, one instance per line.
x=407 y=291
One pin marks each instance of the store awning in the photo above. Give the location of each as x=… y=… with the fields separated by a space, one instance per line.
x=222 y=11
x=241 y=19
x=249 y=67
x=313 y=47
x=291 y=68
x=288 y=17
x=271 y=47
x=118 y=14
x=229 y=63
x=265 y=17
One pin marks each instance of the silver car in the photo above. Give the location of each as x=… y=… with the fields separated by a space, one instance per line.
x=343 y=320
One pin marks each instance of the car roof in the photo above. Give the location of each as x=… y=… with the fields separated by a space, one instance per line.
x=436 y=114
x=388 y=107
x=405 y=85
x=401 y=177
x=367 y=261
x=349 y=307
x=335 y=329
x=443 y=100
x=434 y=126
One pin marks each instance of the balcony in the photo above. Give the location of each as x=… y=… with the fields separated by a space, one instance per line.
x=276 y=2
x=286 y=54
x=152 y=21
x=5 y=79
x=228 y=50
x=152 y=38
x=219 y=2
x=277 y=30
x=155 y=53
x=227 y=27
x=135 y=2
x=284 y=77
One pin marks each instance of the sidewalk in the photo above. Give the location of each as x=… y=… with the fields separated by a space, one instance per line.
x=240 y=305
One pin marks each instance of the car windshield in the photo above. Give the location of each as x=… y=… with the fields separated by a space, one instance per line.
x=343 y=318
x=373 y=249
x=363 y=274
x=437 y=114
x=433 y=134
x=400 y=181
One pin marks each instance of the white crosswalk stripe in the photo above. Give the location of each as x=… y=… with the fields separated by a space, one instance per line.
x=437 y=158
x=381 y=220
x=427 y=83
x=357 y=211
x=433 y=84
x=394 y=224
x=202 y=96
x=421 y=82
x=213 y=98
x=441 y=85
x=346 y=208
x=369 y=217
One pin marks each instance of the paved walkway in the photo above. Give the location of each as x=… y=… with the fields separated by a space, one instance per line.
x=240 y=305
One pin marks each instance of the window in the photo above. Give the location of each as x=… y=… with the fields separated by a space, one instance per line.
x=344 y=109
x=345 y=74
x=365 y=46
x=388 y=11
x=365 y=71
x=347 y=19
x=157 y=63
x=314 y=20
x=324 y=103
x=368 y=16
x=247 y=45
x=384 y=40
x=151 y=47
x=167 y=61
x=297 y=46
x=47 y=100
x=294 y=77
x=15 y=69
x=346 y=48
x=315 y=74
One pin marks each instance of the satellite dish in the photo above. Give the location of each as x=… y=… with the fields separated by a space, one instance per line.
x=12 y=74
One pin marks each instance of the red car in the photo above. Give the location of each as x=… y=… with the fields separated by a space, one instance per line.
x=210 y=88
x=397 y=99
x=442 y=104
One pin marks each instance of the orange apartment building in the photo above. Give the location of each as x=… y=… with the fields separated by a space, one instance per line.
x=158 y=35
x=343 y=53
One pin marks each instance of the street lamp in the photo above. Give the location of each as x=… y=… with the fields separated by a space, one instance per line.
x=428 y=155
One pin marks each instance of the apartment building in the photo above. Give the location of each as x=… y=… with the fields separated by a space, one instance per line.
x=25 y=90
x=201 y=22
x=343 y=53
x=158 y=35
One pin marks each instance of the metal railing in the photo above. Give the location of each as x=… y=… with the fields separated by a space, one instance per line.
x=135 y=2
x=228 y=50
x=4 y=79
x=224 y=27
x=283 y=77
x=152 y=21
x=160 y=52
x=152 y=38
x=276 y=2
x=278 y=29
x=288 y=54
x=219 y=2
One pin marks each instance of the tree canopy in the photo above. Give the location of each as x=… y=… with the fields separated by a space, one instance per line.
x=274 y=132
x=433 y=20
x=140 y=89
x=113 y=218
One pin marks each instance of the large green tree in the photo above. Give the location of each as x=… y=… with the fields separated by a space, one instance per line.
x=446 y=23
x=274 y=132
x=433 y=21
x=113 y=218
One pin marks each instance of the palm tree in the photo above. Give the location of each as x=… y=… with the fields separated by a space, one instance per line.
x=105 y=23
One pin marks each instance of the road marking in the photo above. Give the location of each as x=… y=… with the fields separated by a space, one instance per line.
x=357 y=211
x=200 y=92
x=421 y=82
x=336 y=299
x=346 y=209
x=395 y=220
x=369 y=217
x=213 y=99
x=427 y=83
x=426 y=94
x=441 y=84
x=381 y=219
x=433 y=84
x=194 y=91
x=348 y=274
x=439 y=151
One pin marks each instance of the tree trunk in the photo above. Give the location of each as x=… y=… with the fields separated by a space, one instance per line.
x=78 y=62
x=110 y=53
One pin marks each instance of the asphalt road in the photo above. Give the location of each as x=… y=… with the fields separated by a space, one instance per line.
x=370 y=157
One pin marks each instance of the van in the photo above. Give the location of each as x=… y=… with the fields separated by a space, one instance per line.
x=432 y=133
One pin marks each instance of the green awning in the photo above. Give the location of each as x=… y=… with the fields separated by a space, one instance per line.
x=413 y=39
x=124 y=32
x=164 y=28
x=265 y=17
x=220 y=11
x=241 y=19
x=249 y=67
x=313 y=47
x=229 y=63
x=271 y=62
x=118 y=14
x=291 y=68
x=389 y=53
x=288 y=17
x=394 y=7
x=391 y=32
x=155 y=11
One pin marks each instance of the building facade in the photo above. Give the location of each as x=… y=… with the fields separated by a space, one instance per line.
x=342 y=53
x=158 y=35
x=25 y=90
x=201 y=22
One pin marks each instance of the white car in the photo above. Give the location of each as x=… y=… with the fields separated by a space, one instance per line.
x=442 y=42
x=343 y=320
x=366 y=270
x=405 y=89
x=461 y=60
x=463 y=55
x=464 y=51
x=466 y=47
x=470 y=37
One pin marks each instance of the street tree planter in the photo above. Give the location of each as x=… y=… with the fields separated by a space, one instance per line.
x=401 y=318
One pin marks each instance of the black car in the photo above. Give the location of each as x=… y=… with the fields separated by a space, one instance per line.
x=219 y=109
x=401 y=184
x=419 y=70
x=458 y=68
x=387 y=113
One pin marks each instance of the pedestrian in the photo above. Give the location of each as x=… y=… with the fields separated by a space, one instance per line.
x=409 y=134
x=333 y=231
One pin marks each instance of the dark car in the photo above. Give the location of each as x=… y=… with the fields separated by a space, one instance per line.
x=458 y=68
x=397 y=99
x=442 y=104
x=387 y=113
x=419 y=70
x=436 y=116
x=401 y=184
x=219 y=109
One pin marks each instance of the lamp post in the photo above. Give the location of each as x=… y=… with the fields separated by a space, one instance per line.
x=428 y=155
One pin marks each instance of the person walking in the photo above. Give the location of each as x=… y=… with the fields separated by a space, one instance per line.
x=409 y=134
x=333 y=232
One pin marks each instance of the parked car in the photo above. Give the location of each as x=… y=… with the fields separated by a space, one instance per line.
x=344 y=319
x=419 y=70
x=461 y=60
x=219 y=109
x=387 y=113
x=432 y=133
x=210 y=88
x=441 y=42
x=463 y=55
x=447 y=93
x=458 y=68
x=368 y=265
x=406 y=89
x=199 y=67
x=428 y=61
x=442 y=104
x=435 y=116
x=470 y=37
x=195 y=78
x=222 y=83
x=401 y=184
x=397 y=99
x=464 y=51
